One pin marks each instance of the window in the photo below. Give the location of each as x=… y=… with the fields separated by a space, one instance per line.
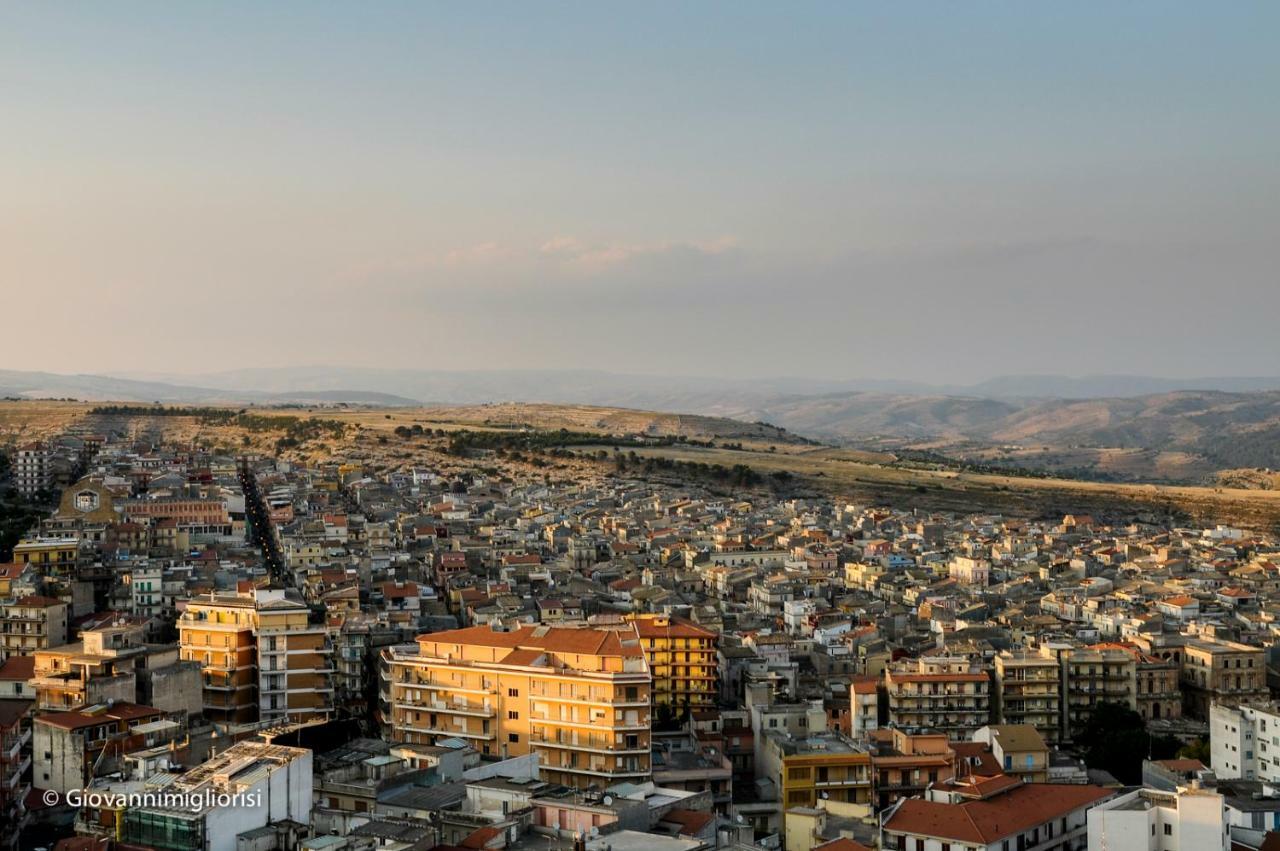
x=513 y=738
x=1168 y=830
x=513 y=692
x=512 y=715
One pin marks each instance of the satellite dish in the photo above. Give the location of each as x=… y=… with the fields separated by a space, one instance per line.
x=607 y=800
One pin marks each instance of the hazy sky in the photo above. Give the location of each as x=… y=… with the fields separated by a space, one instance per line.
x=940 y=192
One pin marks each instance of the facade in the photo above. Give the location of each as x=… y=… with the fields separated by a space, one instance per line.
x=1222 y=672
x=31 y=623
x=101 y=667
x=33 y=469
x=1028 y=691
x=15 y=765
x=1094 y=676
x=820 y=766
x=579 y=698
x=69 y=745
x=682 y=659
x=906 y=765
x=1244 y=741
x=944 y=694
x=1190 y=818
x=263 y=658
x=1019 y=749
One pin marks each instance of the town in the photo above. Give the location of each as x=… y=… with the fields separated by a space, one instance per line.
x=485 y=657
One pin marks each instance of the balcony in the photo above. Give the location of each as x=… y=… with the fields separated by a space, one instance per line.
x=597 y=772
x=587 y=744
x=436 y=731
x=641 y=724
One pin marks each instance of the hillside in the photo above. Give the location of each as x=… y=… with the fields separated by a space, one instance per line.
x=1179 y=436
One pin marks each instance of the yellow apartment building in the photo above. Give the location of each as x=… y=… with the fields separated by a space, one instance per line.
x=682 y=659
x=825 y=765
x=262 y=657
x=577 y=697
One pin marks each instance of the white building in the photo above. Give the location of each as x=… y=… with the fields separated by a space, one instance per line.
x=270 y=784
x=1244 y=742
x=1190 y=818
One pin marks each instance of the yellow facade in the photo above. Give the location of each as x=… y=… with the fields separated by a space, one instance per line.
x=579 y=698
x=262 y=658
x=813 y=775
x=682 y=659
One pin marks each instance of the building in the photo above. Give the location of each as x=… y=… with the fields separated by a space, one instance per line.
x=100 y=667
x=33 y=469
x=906 y=764
x=1028 y=691
x=944 y=694
x=682 y=659
x=269 y=784
x=1244 y=741
x=31 y=623
x=820 y=766
x=1019 y=749
x=15 y=763
x=1215 y=671
x=995 y=814
x=262 y=656
x=864 y=706
x=1097 y=675
x=70 y=746
x=579 y=698
x=1190 y=818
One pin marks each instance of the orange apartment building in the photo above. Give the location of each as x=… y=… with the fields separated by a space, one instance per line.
x=262 y=657
x=682 y=659
x=577 y=697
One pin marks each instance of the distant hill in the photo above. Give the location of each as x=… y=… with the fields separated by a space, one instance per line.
x=1183 y=434
x=97 y=388
x=1222 y=430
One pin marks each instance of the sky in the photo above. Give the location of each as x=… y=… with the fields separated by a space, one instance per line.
x=937 y=192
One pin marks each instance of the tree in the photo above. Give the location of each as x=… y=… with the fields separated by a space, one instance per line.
x=1115 y=739
x=1199 y=749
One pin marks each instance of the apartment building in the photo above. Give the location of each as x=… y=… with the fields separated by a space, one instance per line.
x=1244 y=741
x=99 y=668
x=1097 y=675
x=944 y=694
x=1190 y=818
x=15 y=759
x=577 y=697
x=56 y=555
x=69 y=746
x=33 y=469
x=1156 y=683
x=682 y=660
x=31 y=623
x=1028 y=690
x=905 y=765
x=822 y=765
x=1216 y=671
x=262 y=656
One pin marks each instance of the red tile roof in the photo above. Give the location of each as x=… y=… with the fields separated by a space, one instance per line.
x=986 y=822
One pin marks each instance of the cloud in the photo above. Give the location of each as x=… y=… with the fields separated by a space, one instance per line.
x=597 y=257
